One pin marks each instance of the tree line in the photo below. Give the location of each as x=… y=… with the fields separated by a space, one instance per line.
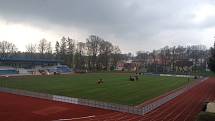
x=181 y=59
x=96 y=54
x=211 y=62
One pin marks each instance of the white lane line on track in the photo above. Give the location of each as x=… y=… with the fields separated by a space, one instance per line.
x=75 y=118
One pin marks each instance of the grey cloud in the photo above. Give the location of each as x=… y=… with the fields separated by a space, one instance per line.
x=130 y=21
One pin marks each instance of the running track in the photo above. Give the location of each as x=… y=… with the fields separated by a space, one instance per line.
x=183 y=108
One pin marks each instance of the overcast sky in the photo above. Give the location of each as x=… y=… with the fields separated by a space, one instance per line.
x=131 y=24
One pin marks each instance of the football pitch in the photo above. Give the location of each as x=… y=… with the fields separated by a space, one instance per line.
x=116 y=87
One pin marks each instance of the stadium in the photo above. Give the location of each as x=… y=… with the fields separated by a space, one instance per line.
x=107 y=60
x=118 y=97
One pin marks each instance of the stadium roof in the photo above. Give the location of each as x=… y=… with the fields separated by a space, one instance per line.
x=13 y=59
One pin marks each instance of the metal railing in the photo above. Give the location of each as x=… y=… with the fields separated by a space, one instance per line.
x=98 y=104
x=161 y=101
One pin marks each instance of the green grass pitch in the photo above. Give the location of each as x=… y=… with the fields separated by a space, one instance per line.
x=116 y=87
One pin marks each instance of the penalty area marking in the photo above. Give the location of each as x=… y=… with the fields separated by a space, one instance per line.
x=75 y=118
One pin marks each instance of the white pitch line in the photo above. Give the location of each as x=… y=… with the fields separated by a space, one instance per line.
x=75 y=118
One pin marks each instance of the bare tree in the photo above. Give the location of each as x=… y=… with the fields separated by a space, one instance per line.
x=153 y=55
x=49 y=48
x=31 y=49
x=172 y=58
x=13 y=48
x=93 y=50
x=116 y=55
x=105 y=50
x=42 y=47
x=164 y=57
x=7 y=49
x=80 y=56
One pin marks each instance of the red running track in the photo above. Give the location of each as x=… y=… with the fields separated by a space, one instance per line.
x=185 y=107
x=22 y=108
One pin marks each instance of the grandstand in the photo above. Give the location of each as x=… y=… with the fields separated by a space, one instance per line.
x=28 y=66
x=28 y=62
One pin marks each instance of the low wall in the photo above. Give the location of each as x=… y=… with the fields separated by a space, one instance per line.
x=4 y=72
x=172 y=75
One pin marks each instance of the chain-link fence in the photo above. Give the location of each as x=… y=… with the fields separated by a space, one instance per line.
x=110 y=106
